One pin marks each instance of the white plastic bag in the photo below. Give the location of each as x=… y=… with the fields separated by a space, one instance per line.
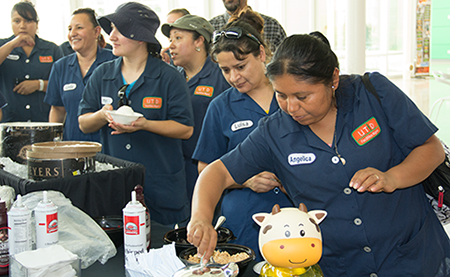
x=78 y=232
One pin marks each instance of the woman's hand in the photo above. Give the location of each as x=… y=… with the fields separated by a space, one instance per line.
x=263 y=182
x=27 y=87
x=372 y=180
x=23 y=40
x=136 y=125
x=202 y=235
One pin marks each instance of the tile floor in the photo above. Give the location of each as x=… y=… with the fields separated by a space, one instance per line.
x=425 y=91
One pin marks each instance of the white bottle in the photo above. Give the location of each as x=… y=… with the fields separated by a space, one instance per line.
x=46 y=215
x=19 y=223
x=134 y=233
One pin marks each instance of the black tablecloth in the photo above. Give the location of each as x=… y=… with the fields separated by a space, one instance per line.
x=115 y=266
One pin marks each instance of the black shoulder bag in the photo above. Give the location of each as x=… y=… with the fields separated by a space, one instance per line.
x=439 y=181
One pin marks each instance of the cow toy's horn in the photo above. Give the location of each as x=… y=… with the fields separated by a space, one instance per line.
x=302 y=207
x=276 y=209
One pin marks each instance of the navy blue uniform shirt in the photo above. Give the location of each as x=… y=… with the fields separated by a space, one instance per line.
x=18 y=67
x=65 y=87
x=384 y=234
x=160 y=93
x=204 y=87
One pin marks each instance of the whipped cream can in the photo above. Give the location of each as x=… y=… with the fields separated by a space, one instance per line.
x=19 y=223
x=134 y=229
x=46 y=215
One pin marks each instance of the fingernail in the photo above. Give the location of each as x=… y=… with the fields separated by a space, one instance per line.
x=356 y=186
x=351 y=184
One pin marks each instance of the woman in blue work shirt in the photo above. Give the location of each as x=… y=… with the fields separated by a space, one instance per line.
x=25 y=64
x=337 y=148
x=154 y=89
x=231 y=117
x=190 y=38
x=70 y=74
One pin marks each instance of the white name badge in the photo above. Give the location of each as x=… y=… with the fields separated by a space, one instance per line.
x=69 y=87
x=106 y=100
x=241 y=125
x=13 y=57
x=301 y=158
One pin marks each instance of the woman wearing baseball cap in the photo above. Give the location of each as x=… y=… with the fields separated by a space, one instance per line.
x=152 y=88
x=190 y=38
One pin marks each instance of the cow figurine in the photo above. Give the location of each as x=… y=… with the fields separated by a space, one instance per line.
x=290 y=241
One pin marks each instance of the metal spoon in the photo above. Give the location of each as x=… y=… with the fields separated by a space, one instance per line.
x=220 y=221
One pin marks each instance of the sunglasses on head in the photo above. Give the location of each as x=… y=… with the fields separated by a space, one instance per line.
x=233 y=33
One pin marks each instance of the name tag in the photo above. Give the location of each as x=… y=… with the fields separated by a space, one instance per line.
x=13 y=57
x=241 y=125
x=46 y=59
x=69 y=87
x=106 y=100
x=207 y=91
x=366 y=132
x=152 y=102
x=301 y=158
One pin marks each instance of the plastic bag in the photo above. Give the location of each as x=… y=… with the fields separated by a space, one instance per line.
x=77 y=231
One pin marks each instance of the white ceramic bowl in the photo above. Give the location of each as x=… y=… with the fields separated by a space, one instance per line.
x=125 y=119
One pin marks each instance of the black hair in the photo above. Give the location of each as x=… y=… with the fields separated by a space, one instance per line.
x=26 y=10
x=93 y=18
x=154 y=50
x=305 y=57
x=196 y=35
x=240 y=47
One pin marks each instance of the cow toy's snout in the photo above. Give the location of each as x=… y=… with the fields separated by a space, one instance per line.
x=292 y=253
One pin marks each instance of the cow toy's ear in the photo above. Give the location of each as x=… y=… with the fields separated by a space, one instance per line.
x=318 y=215
x=259 y=218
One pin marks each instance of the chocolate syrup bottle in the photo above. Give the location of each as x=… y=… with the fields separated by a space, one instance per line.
x=4 y=244
x=140 y=197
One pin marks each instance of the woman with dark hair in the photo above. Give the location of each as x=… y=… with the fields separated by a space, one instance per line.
x=154 y=89
x=70 y=74
x=25 y=64
x=190 y=38
x=336 y=147
x=241 y=53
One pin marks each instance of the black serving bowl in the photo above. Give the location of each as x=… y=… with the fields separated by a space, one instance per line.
x=179 y=237
x=113 y=226
x=231 y=248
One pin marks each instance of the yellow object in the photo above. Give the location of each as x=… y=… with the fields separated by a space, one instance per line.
x=269 y=270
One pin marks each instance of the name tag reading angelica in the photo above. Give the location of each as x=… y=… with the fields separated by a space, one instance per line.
x=301 y=158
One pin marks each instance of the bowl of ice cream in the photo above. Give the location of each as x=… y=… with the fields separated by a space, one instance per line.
x=124 y=115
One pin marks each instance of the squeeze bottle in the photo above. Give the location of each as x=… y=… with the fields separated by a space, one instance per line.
x=19 y=223
x=134 y=236
x=46 y=215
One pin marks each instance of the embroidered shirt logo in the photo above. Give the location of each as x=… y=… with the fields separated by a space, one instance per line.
x=71 y=86
x=301 y=158
x=241 y=125
x=152 y=102
x=46 y=59
x=13 y=57
x=366 y=132
x=207 y=91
